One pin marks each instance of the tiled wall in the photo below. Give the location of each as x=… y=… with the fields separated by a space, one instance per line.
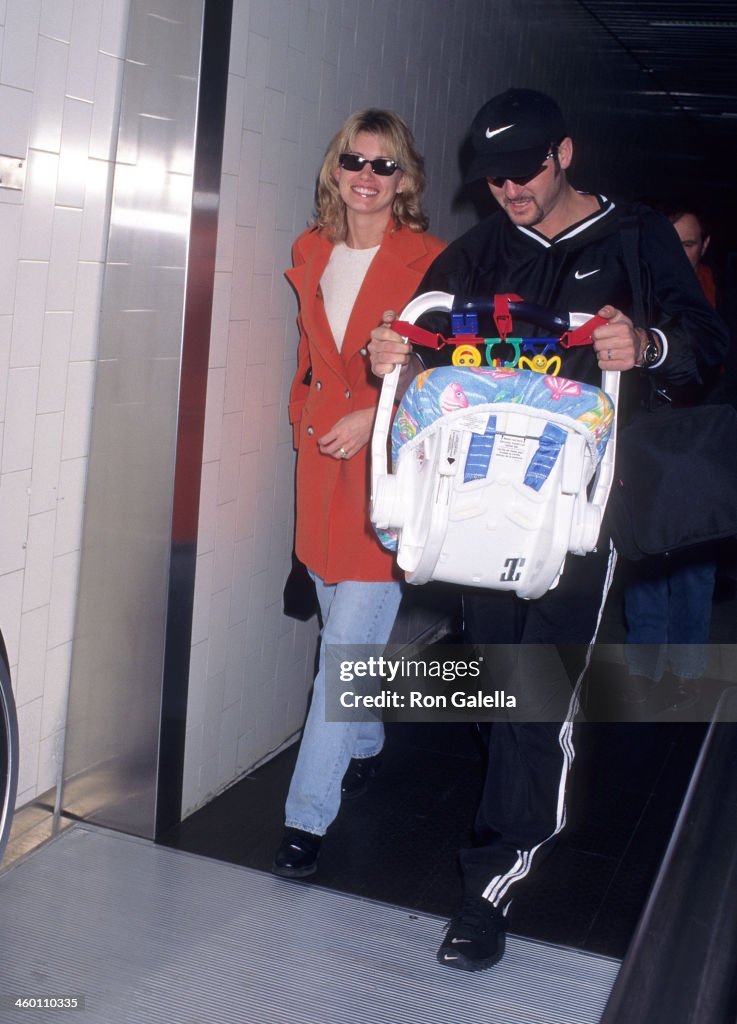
x=60 y=63
x=297 y=69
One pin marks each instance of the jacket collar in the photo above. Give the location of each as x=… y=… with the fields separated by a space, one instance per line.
x=391 y=273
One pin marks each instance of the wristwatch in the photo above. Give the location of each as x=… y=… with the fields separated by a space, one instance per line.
x=651 y=353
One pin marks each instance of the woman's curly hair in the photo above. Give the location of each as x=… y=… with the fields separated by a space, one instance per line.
x=397 y=144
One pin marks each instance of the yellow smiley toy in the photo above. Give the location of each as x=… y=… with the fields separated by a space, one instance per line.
x=466 y=355
x=539 y=364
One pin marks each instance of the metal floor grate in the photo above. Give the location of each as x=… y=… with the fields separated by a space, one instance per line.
x=148 y=934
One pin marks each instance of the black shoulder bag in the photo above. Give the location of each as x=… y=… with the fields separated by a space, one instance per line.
x=675 y=484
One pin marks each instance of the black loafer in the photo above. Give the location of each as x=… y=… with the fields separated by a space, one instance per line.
x=297 y=855
x=358 y=775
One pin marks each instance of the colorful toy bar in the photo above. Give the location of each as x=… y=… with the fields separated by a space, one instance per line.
x=537 y=354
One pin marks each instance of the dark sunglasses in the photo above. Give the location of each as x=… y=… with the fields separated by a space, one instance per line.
x=525 y=178
x=380 y=166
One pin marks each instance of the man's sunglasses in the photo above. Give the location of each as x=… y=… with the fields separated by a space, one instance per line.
x=523 y=179
x=380 y=166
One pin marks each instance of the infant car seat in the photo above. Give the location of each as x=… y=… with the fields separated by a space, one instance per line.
x=497 y=472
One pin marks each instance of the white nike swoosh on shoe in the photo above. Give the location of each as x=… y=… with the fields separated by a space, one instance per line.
x=449 y=956
x=454 y=941
x=579 y=276
x=490 y=134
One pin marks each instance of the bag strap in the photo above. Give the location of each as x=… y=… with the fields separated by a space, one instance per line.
x=630 y=235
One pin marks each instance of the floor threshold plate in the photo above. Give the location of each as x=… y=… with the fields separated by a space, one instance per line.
x=145 y=933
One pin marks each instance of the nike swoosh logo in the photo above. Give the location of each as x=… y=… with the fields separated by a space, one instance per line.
x=579 y=276
x=454 y=941
x=490 y=134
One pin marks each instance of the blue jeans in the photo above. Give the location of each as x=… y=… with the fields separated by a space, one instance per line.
x=352 y=613
x=667 y=606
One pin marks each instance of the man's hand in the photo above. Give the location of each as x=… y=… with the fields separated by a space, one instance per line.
x=348 y=436
x=618 y=345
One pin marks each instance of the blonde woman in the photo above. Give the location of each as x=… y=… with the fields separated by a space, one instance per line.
x=365 y=253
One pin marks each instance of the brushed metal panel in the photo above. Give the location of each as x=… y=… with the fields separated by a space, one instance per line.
x=112 y=748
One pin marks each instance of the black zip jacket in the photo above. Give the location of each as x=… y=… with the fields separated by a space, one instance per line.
x=581 y=270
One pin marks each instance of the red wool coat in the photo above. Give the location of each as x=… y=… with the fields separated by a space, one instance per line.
x=334 y=535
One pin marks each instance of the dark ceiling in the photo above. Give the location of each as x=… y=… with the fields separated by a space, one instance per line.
x=688 y=49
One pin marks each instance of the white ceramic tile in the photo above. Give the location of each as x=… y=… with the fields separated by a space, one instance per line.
x=50 y=758
x=20 y=412
x=78 y=412
x=15 y=125
x=46 y=458
x=56 y=19
x=114 y=27
x=226 y=223
x=242 y=570
x=71 y=181
x=241 y=307
x=48 y=95
x=259 y=18
x=209 y=485
x=246 y=213
x=233 y=122
x=71 y=490
x=65 y=245
x=20 y=38
x=83 y=54
x=227 y=748
x=88 y=297
x=229 y=473
x=222 y=574
x=239 y=37
x=202 y=594
x=106 y=106
x=197 y=690
x=55 y=350
x=220 y=320
x=10 y=231
x=11 y=597
x=29 y=728
x=28 y=322
x=38 y=210
x=96 y=211
x=224 y=540
x=39 y=562
x=257 y=63
x=56 y=686
x=214 y=410
x=211 y=735
x=298 y=25
x=6 y=331
x=65 y=576
x=235 y=371
x=32 y=658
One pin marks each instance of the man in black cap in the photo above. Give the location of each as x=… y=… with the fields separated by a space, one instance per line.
x=565 y=250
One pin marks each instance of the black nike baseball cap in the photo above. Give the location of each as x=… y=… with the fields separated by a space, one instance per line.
x=512 y=133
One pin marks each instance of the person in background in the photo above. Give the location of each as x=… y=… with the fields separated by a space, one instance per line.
x=561 y=248
x=368 y=241
x=668 y=599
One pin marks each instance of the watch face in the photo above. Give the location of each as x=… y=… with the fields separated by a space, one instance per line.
x=650 y=355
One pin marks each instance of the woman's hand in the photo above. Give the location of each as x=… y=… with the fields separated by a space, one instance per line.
x=349 y=435
x=387 y=348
